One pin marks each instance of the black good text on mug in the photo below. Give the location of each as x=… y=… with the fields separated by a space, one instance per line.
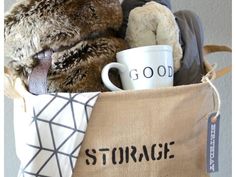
x=149 y=72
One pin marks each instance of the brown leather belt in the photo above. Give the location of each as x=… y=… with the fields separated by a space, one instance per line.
x=38 y=77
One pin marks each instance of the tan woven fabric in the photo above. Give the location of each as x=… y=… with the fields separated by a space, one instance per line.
x=150 y=133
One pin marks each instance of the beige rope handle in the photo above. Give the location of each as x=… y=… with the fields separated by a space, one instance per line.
x=9 y=84
x=209 y=49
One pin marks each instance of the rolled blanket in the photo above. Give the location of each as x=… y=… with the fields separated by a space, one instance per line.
x=154 y=24
x=128 y=5
x=192 y=39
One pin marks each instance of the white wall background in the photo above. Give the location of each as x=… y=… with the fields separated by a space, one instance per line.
x=216 y=19
x=217 y=22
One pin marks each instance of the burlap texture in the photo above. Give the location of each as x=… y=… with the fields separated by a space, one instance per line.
x=149 y=133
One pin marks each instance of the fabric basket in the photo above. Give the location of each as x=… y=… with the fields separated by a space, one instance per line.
x=159 y=132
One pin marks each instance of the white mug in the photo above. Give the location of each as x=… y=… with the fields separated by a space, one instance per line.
x=142 y=68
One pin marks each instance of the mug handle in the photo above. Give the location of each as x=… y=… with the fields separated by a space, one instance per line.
x=105 y=75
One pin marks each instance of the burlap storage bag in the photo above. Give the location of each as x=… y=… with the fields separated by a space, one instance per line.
x=160 y=132
x=149 y=133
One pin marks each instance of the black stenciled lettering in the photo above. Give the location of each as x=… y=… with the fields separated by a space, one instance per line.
x=170 y=70
x=133 y=74
x=153 y=152
x=172 y=156
x=92 y=156
x=104 y=159
x=140 y=157
x=114 y=156
x=166 y=150
x=130 y=154
x=133 y=153
x=127 y=154
x=160 y=152
x=121 y=155
x=144 y=154
x=145 y=71
x=159 y=70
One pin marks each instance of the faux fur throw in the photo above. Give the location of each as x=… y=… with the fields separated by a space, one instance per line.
x=76 y=35
x=154 y=24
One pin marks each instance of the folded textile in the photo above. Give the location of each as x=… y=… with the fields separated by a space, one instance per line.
x=154 y=24
x=50 y=133
x=191 y=39
x=128 y=5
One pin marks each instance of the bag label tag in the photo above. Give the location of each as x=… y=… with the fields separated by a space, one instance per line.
x=213 y=143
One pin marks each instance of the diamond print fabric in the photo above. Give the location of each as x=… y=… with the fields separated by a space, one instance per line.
x=49 y=135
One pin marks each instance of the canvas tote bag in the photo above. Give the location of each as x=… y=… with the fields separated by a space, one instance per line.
x=158 y=132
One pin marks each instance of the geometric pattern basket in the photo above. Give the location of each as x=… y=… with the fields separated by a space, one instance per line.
x=56 y=128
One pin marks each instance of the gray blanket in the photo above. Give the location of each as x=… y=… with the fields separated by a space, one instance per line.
x=192 y=40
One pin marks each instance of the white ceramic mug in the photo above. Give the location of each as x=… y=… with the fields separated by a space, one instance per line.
x=142 y=68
